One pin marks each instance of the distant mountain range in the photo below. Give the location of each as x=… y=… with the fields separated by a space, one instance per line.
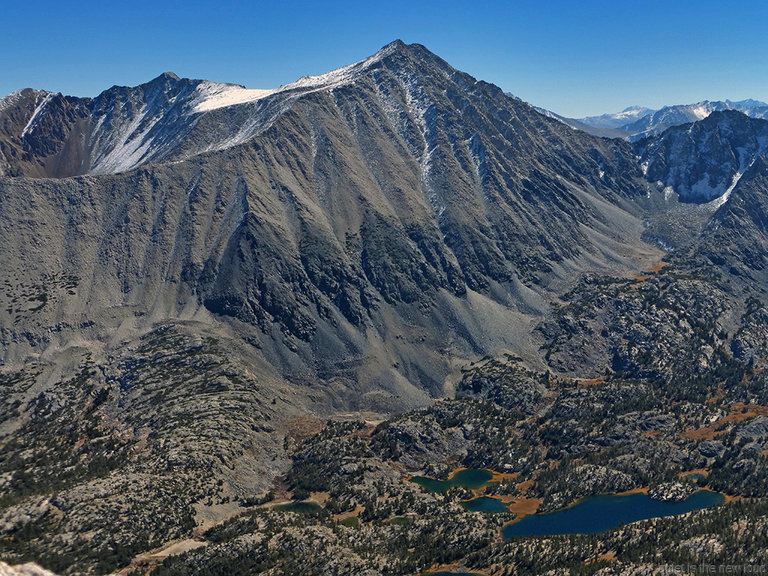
x=637 y=122
x=619 y=120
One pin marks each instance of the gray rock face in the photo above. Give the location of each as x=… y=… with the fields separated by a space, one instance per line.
x=757 y=429
x=711 y=448
x=425 y=445
x=706 y=159
x=671 y=492
x=735 y=239
x=28 y=569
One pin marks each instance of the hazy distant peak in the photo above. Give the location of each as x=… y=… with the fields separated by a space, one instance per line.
x=617 y=120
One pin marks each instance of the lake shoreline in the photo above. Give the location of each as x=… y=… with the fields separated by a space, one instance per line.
x=652 y=509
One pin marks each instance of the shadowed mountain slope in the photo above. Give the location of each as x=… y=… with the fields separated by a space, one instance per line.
x=397 y=197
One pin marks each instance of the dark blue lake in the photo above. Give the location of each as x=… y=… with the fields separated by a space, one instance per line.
x=605 y=512
x=485 y=504
x=468 y=478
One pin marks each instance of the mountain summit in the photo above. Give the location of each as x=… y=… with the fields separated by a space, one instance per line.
x=166 y=119
x=317 y=216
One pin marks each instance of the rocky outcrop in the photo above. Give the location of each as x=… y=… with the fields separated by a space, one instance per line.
x=29 y=569
x=671 y=492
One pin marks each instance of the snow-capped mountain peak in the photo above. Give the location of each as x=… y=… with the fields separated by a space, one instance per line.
x=212 y=95
x=614 y=121
x=166 y=119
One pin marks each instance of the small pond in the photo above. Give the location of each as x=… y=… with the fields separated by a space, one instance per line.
x=299 y=507
x=485 y=504
x=695 y=477
x=605 y=512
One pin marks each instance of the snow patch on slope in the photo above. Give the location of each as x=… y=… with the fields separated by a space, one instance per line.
x=10 y=100
x=212 y=95
x=125 y=150
x=38 y=109
x=701 y=111
x=717 y=202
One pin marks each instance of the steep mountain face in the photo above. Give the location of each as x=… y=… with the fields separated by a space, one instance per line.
x=40 y=134
x=704 y=160
x=736 y=239
x=50 y=135
x=168 y=119
x=394 y=186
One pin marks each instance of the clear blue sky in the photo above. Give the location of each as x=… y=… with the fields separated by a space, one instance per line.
x=576 y=57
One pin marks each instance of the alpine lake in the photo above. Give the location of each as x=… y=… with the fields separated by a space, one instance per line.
x=587 y=516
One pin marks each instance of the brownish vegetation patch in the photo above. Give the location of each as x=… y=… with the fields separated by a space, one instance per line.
x=641 y=490
x=349 y=514
x=607 y=557
x=717 y=397
x=740 y=412
x=501 y=476
x=652 y=271
x=453 y=566
x=302 y=428
x=586 y=383
x=524 y=506
x=525 y=486
x=320 y=497
x=699 y=434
